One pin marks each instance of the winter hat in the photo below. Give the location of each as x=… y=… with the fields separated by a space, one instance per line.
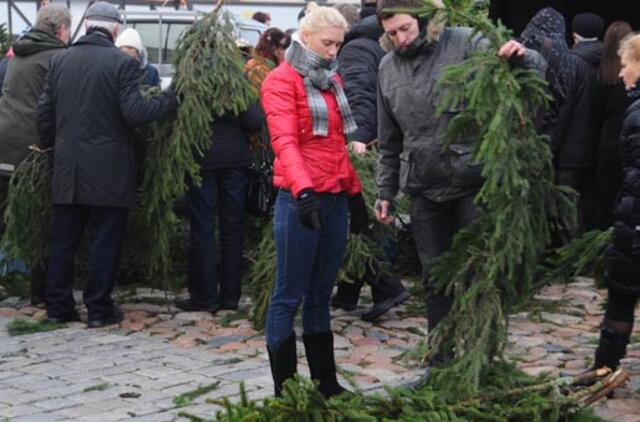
x=103 y=11
x=130 y=38
x=588 y=25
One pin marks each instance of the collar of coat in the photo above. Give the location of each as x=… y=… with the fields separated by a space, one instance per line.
x=97 y=36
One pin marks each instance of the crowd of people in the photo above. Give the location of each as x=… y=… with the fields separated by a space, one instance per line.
x=341 y=83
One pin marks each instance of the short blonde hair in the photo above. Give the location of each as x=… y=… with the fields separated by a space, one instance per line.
x=319 y=17
x=630 y=46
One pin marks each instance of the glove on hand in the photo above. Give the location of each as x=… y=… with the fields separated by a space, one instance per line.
x=359 y=217
x=310 y=210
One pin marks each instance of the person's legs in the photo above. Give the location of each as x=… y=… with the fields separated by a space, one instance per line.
x=432 y=226
x=106 y=231
x=232 y=194
x=202 y=273
x=295 y=255
x=616 y=329
x=316 y=319
x=68 y=226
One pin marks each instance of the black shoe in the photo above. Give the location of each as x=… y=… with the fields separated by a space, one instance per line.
x=322 y=363
x=229 y=306
x=72 y=317
x=187 y=305
x=347 y=296
x=380 y=308
x=283 y=362
x=116 y=317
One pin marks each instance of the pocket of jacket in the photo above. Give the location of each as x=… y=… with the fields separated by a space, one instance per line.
x=466 y=172
x=406 y=164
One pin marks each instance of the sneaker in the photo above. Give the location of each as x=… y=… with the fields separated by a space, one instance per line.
x=380 y=308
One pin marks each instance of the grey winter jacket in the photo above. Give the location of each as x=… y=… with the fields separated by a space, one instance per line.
x=412 y=135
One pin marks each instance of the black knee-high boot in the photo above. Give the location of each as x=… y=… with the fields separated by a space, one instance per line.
x=284 y=362
x=322 y=362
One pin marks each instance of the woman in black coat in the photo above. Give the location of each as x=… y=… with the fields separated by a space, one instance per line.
x=623 y=253
x=613 y=103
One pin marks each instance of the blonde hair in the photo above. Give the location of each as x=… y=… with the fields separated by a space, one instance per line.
x=630 y=46
x=319 y=17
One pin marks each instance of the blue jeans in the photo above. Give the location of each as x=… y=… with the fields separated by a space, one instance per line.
x=307 y=264
x=224 y=191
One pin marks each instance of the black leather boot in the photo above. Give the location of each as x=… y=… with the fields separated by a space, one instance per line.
x=284 y=362
x=322 y=362
x=612 y=348
x=387 y=292
x=347 y=295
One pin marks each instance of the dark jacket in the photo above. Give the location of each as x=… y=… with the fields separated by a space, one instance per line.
x=23 y=85
x=613 y=104
x=151 y=76
x=412 y=153
x=4 y=64
x=358 y=60
x=229 y=145
x=623 y=253
x=590 y=51
x=89 y=105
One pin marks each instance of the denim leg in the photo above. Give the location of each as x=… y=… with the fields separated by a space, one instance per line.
x=106 y=231
x=202 y=272
x=316 y=317
x=296 y=248
x=232 y=194
x=68 y=226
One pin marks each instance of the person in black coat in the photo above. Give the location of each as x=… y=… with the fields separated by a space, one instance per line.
x=622 y=274
x=90 y=103
x=358 y=61
x=223 y=189
x=613 y=103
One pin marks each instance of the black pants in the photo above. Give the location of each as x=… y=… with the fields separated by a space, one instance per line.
x=224 y=191
x=434 y=224
x=621 y=307
x=105 y=233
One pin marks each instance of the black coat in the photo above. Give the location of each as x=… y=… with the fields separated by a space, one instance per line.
x=229 y=145
x=623 y=253
x=358 y=66
x=89 y=105
x=613 y=103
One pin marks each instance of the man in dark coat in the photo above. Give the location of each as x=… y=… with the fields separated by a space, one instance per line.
x=358 y=66
x=23 y=84
x=90 y=102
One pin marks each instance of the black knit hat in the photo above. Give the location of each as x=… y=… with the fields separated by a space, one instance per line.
x=588 y=25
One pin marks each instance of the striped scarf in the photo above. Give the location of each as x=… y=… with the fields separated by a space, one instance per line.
x=318 y=76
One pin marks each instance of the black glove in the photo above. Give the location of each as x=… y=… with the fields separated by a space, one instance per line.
x=309 y=210
x=358 y=214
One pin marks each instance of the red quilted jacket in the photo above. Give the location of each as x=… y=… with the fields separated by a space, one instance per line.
x=302 y=159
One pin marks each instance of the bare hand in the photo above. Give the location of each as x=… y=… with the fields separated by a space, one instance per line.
x=512 y=48
x=358 y=147
x=383 y=211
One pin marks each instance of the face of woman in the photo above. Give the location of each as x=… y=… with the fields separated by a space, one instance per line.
x=630 y=71
x=324 y=42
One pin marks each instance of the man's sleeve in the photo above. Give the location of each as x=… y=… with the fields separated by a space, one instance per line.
x=136 y=109
x=358 y=71
x=46 y=114
x=390 y=147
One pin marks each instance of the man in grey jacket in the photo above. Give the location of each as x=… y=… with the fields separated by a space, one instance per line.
x=441 y=182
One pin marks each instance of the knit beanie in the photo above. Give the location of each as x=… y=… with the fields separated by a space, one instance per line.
x=588 y=25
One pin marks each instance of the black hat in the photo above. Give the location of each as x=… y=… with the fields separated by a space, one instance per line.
x=588 y=25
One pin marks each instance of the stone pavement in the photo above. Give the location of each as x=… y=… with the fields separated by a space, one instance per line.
x=135 y=371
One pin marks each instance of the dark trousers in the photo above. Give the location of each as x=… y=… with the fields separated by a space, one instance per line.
x=105 y=233
x=621 y=306
x=224 y=191
x=434 y=224
x=307 y=265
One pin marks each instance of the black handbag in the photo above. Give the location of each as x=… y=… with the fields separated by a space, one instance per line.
x=261 y=194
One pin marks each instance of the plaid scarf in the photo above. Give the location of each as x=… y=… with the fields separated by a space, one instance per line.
x=318 y=76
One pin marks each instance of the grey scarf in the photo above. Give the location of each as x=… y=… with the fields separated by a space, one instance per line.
x=318 y=76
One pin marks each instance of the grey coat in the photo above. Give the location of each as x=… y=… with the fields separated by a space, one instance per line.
x=412 y=135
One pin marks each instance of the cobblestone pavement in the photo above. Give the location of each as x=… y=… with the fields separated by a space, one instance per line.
x=135 y=370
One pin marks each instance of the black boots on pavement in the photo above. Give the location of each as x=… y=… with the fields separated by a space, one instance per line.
x=387 y=292
x=322 y=364
x=611 y=348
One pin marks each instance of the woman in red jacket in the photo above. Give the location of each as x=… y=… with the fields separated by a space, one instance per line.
x=308 y=115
